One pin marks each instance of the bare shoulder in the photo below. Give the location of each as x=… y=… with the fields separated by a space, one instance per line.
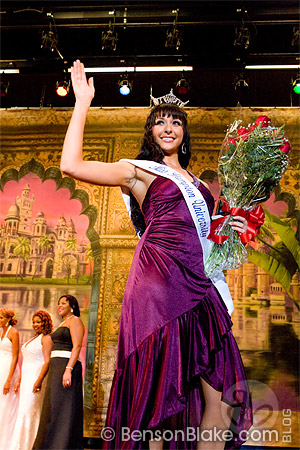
x=13 y=332
x=46 y=339
x=76 y=323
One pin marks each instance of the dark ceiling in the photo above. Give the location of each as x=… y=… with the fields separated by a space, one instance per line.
x=208 y=32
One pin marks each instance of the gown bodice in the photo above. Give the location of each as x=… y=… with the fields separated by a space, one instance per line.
x=33 y=350
x=167 y=276
x=162 y=197
x=6 y=346
x=61 y=338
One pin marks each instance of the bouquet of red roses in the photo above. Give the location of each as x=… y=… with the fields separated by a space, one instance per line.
x=251 y=163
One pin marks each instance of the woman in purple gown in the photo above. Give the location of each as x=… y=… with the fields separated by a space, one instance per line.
x=179 y=379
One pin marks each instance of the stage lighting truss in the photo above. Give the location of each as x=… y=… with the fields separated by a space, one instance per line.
x=173 y=37
x=125 y=85
x=109 y=37
x=242 y=37
x=50 y=37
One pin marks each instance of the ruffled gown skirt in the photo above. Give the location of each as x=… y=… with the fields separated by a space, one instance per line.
x=174 y=330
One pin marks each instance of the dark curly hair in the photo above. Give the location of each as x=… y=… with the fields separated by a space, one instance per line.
x=151 y=151
x=10 y=315
x=73 y=302
x=46 y=320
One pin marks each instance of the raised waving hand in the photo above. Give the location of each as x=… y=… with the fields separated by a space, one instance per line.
x=84 y=90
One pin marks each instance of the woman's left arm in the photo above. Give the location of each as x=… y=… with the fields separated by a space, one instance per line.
x=77 y=332
x=14 y=337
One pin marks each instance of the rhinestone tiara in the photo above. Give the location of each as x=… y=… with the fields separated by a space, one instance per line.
x=169 y=98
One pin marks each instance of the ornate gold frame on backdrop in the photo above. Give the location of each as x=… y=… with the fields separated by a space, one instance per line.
x=31 y=142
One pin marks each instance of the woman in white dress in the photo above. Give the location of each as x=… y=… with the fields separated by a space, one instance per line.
x=31 y=383
x=9 y=372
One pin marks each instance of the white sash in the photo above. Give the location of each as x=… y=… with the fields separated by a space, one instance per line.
x=198 y=210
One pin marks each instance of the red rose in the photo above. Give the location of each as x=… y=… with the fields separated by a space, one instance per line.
x=243 y=133
x=232 y=141
x=252 y=127
x=264 y=120
x=285 y=148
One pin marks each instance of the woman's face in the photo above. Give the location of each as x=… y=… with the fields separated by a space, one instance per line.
x=3 y=321
x=63 y=307
x=168 y=134
x=37 y=324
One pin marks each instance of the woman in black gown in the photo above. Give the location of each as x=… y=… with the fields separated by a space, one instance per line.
x=61 y=425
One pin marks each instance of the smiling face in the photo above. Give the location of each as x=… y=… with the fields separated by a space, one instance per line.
x=63 y=307
x=37 y=325
x=3 y=321
x=168 y=134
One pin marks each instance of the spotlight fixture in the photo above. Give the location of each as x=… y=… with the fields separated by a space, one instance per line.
x=125 y=85
x=173 y=37
x=296 y=85
x=182 y=86
x=240 y=82
x=242 y=37
x=63 y=86
x=4 y=85
x=50 y=37
x=109 y=38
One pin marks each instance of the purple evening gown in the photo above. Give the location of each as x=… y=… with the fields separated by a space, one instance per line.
x=174 y=328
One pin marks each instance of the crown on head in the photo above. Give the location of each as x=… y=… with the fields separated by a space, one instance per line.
x=169 y=98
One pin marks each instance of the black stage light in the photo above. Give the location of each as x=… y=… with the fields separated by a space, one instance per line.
x=240 y=82
x=296 y=37
x=296 y=85
x=4 y=85
x=50 y=37
x=125 y=85
x=182 y=86
x=242 y=37
x=109 y=38
x=63 y=87
x=173 y=37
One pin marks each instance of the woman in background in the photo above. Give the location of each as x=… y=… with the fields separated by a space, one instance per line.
x=9 y=372
x=36 y=358
x=61 y=425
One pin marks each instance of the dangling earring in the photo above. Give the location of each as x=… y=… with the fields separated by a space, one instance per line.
x=72 y=310
x=183 y=148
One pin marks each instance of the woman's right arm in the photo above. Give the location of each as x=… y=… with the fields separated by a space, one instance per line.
x=72 y=163
x=47 y=346
x=14 y=337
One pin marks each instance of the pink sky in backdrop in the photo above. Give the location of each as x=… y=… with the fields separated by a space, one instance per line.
x=53 y=203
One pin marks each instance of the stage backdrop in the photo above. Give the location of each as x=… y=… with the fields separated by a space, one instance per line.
x=62 y=236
